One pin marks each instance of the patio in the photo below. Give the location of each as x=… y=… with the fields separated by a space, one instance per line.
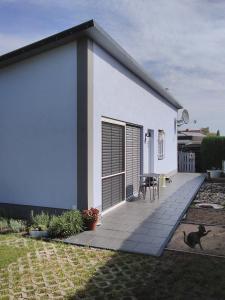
x=144 y=226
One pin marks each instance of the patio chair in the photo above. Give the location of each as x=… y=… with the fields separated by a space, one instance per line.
x=148 y=182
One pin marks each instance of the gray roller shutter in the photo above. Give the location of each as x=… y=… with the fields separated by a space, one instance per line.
x=113 y=164
x=133 y=160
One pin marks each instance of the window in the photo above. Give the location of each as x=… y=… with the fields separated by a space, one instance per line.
x=161 y=144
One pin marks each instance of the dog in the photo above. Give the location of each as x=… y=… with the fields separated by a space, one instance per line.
x=194 y=238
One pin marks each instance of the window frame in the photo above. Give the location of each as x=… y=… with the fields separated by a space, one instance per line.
x=161 y=144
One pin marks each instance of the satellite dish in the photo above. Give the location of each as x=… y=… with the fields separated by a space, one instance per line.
x=185 y=116
x=184 y=119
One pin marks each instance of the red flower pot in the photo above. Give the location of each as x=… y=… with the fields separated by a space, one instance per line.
x=92 y=225
x=90 y=217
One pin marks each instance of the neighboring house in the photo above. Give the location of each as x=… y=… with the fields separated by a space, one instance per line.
x=79 y=121
x=189 y=140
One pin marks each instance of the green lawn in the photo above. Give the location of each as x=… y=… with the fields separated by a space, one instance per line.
x=31 y=269
x=9 y=254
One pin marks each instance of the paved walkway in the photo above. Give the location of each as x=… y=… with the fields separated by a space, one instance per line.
x=144 y=226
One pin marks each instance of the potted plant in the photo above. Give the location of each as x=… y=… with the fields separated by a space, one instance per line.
x=40 y=224
x=90 y=217
x=214 y=173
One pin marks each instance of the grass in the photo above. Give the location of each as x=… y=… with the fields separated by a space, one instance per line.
x=10 y=254
x=31 y=269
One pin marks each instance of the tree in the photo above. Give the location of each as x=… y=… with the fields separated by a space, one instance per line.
x=218 y=133
x=205 y=130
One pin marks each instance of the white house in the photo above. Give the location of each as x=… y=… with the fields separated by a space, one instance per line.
x=79 y=121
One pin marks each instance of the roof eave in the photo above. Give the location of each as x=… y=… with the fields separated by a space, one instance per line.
x=47 y=43
x=92 y=30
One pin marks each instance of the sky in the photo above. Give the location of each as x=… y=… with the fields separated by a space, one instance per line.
x=180 y=43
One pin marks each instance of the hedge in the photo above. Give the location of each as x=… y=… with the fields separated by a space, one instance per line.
x=212 y=152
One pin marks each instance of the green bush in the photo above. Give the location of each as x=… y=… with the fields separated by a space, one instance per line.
x=17 y=225
x=12 y=225
x=67 y=224
x=3 y=224
x=40 y=221
x=212 y=152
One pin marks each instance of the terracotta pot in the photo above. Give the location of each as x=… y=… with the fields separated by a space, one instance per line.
x=92 y=225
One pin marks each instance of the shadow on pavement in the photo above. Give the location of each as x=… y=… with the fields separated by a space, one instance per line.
x=173 y=276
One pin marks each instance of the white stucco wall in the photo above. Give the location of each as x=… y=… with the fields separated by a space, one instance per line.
x=120 y=95
x=38 y=130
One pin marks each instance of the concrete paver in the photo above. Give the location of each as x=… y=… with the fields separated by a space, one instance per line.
x=144 y=226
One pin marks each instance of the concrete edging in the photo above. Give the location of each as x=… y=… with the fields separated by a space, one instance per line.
x=160 y=252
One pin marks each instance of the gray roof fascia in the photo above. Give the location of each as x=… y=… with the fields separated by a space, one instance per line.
x=92 y=30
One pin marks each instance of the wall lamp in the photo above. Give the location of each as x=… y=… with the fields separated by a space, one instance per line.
x=147 y=134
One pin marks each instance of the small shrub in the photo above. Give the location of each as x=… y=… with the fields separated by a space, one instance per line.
x=3 y=224
x=40 y=221
x=55 y=226
x=68 y=223
x=17 y=225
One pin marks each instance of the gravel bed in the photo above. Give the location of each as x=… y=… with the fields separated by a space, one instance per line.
x=207 y=216
x=211 y=192
x=213 y=219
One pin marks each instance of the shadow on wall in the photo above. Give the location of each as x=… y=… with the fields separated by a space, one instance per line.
x=24 y=211
x=173 y=276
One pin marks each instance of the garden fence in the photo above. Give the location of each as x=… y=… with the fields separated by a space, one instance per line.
x=186 y=161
